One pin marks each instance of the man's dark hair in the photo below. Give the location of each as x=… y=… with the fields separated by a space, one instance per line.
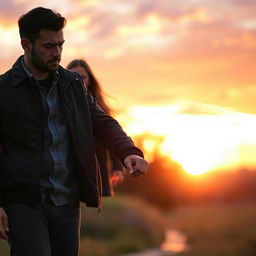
x=37 y=19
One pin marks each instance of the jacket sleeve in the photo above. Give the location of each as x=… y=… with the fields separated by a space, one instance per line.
x=116 y=164
x=109 y=132
x=0 y=172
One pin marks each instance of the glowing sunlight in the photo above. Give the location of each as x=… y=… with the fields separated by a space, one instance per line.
x=193 y=61
x=199 y=142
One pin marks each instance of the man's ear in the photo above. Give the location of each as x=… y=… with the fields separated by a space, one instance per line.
x=26 y=44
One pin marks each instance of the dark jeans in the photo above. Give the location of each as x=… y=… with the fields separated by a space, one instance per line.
x=43 y=229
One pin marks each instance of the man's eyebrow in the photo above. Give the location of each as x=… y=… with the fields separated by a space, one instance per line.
x=57 y=43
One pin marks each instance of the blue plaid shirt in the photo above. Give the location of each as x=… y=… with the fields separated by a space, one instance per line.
x=57 y=179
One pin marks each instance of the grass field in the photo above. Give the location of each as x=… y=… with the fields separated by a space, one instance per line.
x=217 y=230
x=4 y=250
x=211 y=230
x=126 y=225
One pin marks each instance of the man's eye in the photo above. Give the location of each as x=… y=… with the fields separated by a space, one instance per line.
x=48 y=45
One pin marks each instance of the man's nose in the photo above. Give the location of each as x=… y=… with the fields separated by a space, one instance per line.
x=57 y=51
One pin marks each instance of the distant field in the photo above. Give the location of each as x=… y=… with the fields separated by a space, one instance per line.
x=126 y=225
x=217 y=230
x=212 y=230
x=4 y=250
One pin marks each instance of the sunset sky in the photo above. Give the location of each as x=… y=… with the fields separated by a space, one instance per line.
x=183 y=70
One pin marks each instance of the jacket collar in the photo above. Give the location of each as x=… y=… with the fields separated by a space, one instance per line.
x=20 y=73
x=67 y=77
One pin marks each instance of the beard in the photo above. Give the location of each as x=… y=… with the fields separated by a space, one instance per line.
x=39 y=64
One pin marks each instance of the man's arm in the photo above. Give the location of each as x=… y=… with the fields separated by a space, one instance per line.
x=111 y=135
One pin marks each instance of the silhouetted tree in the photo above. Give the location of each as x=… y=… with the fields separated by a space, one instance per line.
x=162 y=186
x=166 y=184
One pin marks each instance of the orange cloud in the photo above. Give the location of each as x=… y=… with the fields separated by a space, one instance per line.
x=189 y=65
x=156 y=51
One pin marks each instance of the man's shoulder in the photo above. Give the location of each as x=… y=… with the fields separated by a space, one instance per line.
x=70 y=77
x=68 y=74
x=5 y=76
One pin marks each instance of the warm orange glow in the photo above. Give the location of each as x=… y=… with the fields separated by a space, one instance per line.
x=199 y=15
x=10 y=33
x=90 y=2
x=79 y=23
x=157 y=54
x=152 y=24
x=199 y=142
x=113 y=53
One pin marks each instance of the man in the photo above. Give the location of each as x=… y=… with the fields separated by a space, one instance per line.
x=48 y=123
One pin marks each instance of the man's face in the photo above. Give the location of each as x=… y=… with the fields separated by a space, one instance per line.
x=46 y=51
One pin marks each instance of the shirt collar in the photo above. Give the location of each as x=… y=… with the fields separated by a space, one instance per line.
x=25 y=69
x=55 y=74
x=20 y=73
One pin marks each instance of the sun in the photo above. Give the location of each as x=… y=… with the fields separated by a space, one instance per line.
x=198 y=142
x=199 y=150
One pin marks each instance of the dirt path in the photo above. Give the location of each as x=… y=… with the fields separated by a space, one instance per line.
x=147 y=253
x=174 y=243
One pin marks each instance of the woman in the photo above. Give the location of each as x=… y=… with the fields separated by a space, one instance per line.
x=90 y=82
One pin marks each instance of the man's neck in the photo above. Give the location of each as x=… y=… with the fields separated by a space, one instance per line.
x=39 y=75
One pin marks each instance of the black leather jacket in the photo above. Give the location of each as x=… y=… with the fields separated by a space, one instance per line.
x=21 y=136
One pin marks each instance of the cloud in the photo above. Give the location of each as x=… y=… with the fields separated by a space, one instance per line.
x=189 y=107
x=10 y=12
x=137 y=30
x=243 y=2
x=165 y=49
x=143 y=26
x=247 y=24
x=166 y=8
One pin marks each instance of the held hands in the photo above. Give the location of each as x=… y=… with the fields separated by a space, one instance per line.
x=136 y=165
x=3 y=224
x=117 y=177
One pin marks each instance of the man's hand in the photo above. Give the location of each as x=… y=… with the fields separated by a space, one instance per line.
x=3 y=224
x=136 y=165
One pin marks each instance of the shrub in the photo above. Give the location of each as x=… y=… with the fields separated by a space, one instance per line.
x=126 y=225
x=4 y=248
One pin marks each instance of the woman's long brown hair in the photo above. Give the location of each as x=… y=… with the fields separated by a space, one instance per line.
x=93 y=86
